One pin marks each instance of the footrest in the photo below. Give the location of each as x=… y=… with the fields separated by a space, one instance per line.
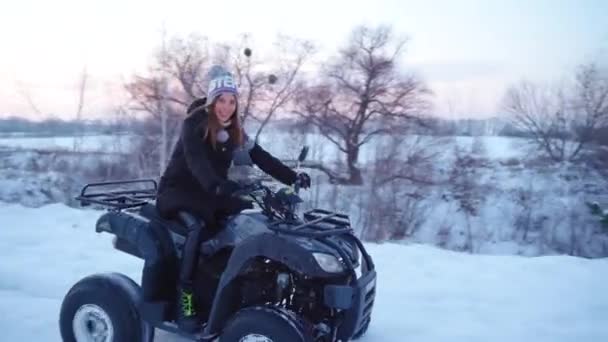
x=155 y=312
x=198 y=336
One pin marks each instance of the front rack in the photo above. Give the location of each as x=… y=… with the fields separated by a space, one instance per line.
x=143 y=191
x=318 y=223
x=321 y=225
x=321 y=215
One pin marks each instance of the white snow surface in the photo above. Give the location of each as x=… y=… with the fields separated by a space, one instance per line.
x=424 y=293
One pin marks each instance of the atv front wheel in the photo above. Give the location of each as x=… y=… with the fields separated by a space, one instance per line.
x=103 y=308
x=266 y=324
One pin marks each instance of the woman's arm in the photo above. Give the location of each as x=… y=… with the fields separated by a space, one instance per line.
x=272 y=165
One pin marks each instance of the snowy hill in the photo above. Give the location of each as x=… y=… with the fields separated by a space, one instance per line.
x=424 y=293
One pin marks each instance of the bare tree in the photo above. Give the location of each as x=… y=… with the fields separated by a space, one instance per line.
x=562 y=120
x=407 y=159
x=249 y=81
x=80 y=105
x=178 y=75
x=174 y=79
x=466 y=190
x=268 y=86
x=23 y=91
x=402 y=173
x=602 y=215
x=77 y=142
x=591 y=99
x=362 y=95
x=291 y=56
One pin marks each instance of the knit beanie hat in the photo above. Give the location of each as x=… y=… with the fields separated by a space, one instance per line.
x=220 y=81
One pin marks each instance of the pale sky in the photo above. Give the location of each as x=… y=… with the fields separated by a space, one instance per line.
x=468 y=52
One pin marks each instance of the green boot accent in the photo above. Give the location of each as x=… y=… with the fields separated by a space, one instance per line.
x=187 y=318
x=187 y=302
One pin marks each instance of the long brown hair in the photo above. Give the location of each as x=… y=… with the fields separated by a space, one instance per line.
x=213 y=126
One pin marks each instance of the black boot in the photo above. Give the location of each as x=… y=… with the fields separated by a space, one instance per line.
x=187 y=318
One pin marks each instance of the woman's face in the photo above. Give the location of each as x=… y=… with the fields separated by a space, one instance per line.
x=225 y=105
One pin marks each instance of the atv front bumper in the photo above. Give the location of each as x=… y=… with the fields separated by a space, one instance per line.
x=356 y=301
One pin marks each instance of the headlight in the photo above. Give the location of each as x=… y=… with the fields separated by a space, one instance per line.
x=328 y=262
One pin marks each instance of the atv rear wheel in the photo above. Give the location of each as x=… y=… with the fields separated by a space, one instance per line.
x=103 y=308
x=266 y=324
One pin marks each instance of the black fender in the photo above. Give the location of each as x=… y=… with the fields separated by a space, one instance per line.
x=137 y=235
x=273 y=246
x=149 y=240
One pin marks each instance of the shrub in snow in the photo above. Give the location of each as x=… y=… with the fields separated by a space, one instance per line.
x=602 y=214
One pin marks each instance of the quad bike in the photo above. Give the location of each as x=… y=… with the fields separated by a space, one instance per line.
x=268 y=275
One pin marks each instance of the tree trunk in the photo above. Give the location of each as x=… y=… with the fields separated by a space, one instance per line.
x=352 y=157
x=573 y=237
x=527 y=223
x=469 y=242
x=162 y=156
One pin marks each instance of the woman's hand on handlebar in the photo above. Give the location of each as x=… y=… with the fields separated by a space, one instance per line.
x=302 y=180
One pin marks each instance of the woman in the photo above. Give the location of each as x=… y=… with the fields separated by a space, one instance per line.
x=196 y=178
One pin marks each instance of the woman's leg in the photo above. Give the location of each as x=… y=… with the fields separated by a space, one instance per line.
x=197 y=218
x=197 y=222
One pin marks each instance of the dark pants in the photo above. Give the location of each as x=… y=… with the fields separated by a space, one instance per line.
x=198 y=217
x=201 y=217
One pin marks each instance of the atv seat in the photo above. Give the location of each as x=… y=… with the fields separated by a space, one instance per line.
x=174 y=225
x=209 y=245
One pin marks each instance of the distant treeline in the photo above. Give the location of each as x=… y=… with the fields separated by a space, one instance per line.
x=445 y=127
x=55 y=126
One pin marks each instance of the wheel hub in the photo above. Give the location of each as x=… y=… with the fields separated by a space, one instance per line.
x=255 y=338
x=92 y=324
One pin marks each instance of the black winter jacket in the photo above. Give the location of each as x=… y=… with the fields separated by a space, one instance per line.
x=196 y=169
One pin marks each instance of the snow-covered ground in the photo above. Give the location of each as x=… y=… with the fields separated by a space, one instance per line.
x=424 y=293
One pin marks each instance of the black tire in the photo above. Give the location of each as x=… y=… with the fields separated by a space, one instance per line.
x=275 y=324
x=363 y=330
x=105 y=304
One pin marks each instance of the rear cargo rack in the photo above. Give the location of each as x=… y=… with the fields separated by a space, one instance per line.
x=119 y=195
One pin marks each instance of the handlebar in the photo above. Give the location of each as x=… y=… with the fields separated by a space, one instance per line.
x=271 y=203
x=247 y=189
